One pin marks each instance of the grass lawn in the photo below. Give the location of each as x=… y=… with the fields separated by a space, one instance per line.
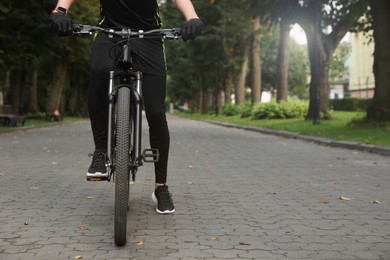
x=338 y=128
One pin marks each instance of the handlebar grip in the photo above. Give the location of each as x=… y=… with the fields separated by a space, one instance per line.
x=175 y=33
x=77 y=27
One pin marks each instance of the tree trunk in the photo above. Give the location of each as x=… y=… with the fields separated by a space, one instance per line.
x=61 y=77
x=379 y=109
x=319 y=83
x=33 y=106
x=200 y=100
x=283 y=62
x=193 y=103
x=205 y=97
x=228 y=85
x=256 y=63
x=320 y=55
x=240 y=85
x=15 y=85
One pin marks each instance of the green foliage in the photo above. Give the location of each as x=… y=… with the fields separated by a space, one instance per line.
x=274 y=110
x=39 y=115
x=350 y=104
x=27 y=44
x=298 y=71
x=230 y=110
x=338 y=66
x=218 y=52
x=246 y=109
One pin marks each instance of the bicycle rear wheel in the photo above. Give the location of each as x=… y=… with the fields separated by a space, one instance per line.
x=122 y=165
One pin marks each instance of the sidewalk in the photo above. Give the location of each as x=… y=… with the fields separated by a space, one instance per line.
x=238 y=195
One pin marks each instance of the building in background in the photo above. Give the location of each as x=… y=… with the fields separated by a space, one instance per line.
x=361 y=76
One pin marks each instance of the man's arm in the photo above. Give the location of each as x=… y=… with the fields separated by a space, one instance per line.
x=193 y=25
x=64 y=3
x=62 y=24
x=186 y=8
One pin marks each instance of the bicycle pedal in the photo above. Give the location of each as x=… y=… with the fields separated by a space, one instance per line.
x=98 y=179
x=150 y=155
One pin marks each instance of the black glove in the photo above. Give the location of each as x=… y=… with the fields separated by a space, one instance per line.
x=191 y=28
x=61 y=24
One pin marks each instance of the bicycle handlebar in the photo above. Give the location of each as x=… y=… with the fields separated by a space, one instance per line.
x=82 y=29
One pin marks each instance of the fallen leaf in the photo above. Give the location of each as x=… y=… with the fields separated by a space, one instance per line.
x=323 y=202
x=26 y=223
x=78 y=257
x=243 y=243
x=375 y=202
x=54 y=163
x=1 y=174
x=344 y=198
x=90 y=197
x=141 y=243
x=190 y=166
x=214 y=238
x=83 y=226
x=189 y=183
x=34 y=188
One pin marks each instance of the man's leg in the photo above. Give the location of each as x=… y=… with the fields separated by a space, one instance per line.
x=154 y=88
x=101 y=64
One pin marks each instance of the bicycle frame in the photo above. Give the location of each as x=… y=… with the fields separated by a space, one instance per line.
x=124 y=73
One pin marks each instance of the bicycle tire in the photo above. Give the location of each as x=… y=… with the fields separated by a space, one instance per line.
x=121 y=173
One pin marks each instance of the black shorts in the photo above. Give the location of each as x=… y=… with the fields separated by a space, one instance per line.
x=148 y=54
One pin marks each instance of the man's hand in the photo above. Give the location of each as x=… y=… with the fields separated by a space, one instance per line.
x=191 y=28
x=61 y=24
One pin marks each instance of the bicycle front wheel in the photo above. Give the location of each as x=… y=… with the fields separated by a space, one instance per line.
x=121 y=173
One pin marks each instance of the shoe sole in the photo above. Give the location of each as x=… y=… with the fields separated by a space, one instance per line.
x=154 y=198
x=97 y=175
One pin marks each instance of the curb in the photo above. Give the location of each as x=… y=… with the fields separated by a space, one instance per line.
x=382 y=150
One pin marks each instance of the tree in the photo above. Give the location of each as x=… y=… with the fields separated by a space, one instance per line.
x=23 y=40
x=379 y=109
x=325 y=23
x=223 y=48
x=29 y=50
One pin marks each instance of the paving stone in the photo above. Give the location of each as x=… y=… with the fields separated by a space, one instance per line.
x=238 y=194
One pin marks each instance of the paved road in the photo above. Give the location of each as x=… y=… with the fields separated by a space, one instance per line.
x=238 y=194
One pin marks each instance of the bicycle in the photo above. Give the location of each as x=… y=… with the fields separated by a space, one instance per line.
x=124 y=154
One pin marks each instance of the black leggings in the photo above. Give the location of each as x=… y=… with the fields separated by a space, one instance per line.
x=149 y=58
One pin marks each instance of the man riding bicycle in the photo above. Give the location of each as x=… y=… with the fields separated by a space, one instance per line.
x=148 y=57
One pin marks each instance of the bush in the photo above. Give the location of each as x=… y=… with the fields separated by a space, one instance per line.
x=274 y=110
x=350 y=104
x=246 y=109
x=38 y=115
x=230 y=110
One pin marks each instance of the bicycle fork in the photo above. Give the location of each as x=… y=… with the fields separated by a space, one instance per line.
x=136 y=157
